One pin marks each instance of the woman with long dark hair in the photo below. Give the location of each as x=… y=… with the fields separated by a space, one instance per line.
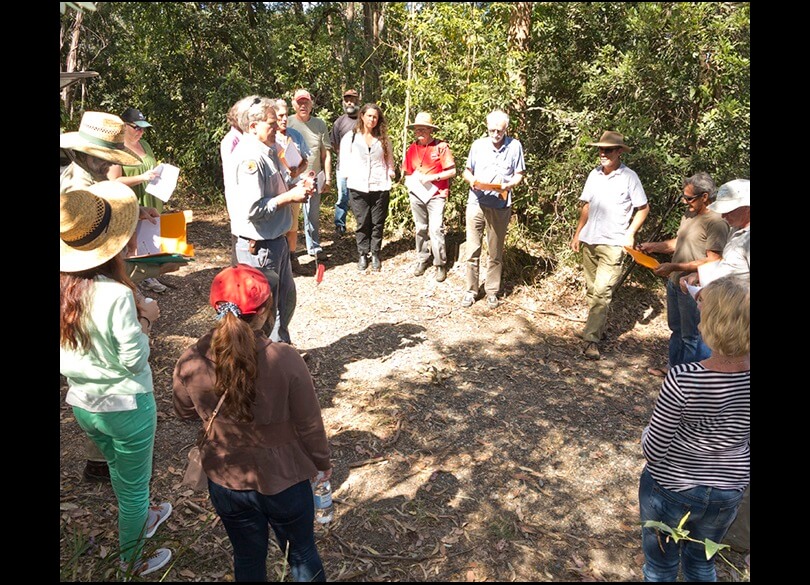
x=104 y=354
x=267 y=440
x=368 y=163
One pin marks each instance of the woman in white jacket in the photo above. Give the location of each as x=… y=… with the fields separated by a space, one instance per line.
x=368 y=163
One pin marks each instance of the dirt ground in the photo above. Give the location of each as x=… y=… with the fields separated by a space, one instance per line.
x=468 y=444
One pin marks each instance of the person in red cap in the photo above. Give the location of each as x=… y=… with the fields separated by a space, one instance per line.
x=343 y=124
x=269 y=437
x=316 y=135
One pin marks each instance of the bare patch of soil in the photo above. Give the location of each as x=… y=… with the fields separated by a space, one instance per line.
x=468 y=444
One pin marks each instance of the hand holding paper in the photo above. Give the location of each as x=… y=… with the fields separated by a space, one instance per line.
x=164 y=184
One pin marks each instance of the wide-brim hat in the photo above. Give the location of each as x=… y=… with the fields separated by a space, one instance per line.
x=610 y=139
x=731 y=195
x=101 y=135
x=423 y=119
x=95 y=224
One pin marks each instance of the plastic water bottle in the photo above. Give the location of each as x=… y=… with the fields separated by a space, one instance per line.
x=322 y=494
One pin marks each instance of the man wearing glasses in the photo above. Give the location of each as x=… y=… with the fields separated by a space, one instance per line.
x=494 y=166
x=259 y=208
x=614 y=206
x=700 y=239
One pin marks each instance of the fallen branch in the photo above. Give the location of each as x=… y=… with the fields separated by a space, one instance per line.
x=367 y=461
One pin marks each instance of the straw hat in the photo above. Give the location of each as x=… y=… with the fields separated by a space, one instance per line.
x=423 y=119
x=101 y=135
x=610 y=139
x=95 y=224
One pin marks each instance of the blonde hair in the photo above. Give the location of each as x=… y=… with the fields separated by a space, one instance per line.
x=725 y=316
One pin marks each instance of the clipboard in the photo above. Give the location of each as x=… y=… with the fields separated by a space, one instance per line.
x=162 y=258
x=502 y=193
x=168 y=235
x=642 y=258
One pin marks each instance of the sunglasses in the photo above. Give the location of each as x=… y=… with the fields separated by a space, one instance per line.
x=608 y=150
x=135 y=127
x=689 y=199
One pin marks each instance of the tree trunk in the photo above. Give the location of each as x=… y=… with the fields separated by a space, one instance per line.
x=520 y=27
x=348 y=19
x=72 y=60
x=373 y=27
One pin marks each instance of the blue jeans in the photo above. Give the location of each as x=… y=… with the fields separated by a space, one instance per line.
x=246 y=515
x=685 y=343
x=312 y=224
x=712 y=512
x=273 y=260
x=342 y=204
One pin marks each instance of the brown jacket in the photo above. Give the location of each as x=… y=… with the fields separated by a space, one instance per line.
x=285 y=443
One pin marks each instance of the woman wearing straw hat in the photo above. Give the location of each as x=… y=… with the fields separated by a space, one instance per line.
x=104 y=354
x=268 y=440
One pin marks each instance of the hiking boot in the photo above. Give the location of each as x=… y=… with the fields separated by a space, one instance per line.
x=157 y=515
x=592 y=351
x=154 y=285
x=157 y=560
x=493 y=302
x=441 y=273
x=420 y=268
x=96 y=471
x=376 y=264
x=468 y=299
x=362 y=263
x=340 y=231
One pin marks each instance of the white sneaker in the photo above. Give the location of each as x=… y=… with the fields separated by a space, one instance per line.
x=156 y=517
x=154 y=285
x=157 y=560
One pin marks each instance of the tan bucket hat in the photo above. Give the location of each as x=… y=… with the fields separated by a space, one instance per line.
x=95 y=224
x=609 y=139
x=101 y=135
x=423 y=119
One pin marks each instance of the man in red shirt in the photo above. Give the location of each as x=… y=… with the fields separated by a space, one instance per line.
x=428 y=168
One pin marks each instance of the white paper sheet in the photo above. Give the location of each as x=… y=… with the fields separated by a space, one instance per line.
x=165 y=183
x=148 y=235
x=292 y=156
x=424 y=191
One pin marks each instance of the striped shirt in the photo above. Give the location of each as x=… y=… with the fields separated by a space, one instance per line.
x=700 y=430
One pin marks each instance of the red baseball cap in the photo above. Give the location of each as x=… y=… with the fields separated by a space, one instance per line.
x=243 y=285
x=301 y=94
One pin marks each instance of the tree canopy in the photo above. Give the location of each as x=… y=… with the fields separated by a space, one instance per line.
x=673 y=77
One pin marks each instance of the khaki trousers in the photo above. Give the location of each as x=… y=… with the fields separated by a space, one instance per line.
x=496 y=222
x=602 y=265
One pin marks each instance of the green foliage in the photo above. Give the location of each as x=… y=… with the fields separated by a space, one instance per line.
x=674 y=78
x=680 y=533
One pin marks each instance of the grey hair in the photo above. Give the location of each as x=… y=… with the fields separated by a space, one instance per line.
x=702 y=183
x=256 y=112
x=236 y=110
x=280 y=103
x=497 y=116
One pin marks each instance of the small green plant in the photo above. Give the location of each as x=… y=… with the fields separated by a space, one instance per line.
x=680 y=533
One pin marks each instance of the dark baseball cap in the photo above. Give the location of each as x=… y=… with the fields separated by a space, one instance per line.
x=351 y=93
x=133 y=116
